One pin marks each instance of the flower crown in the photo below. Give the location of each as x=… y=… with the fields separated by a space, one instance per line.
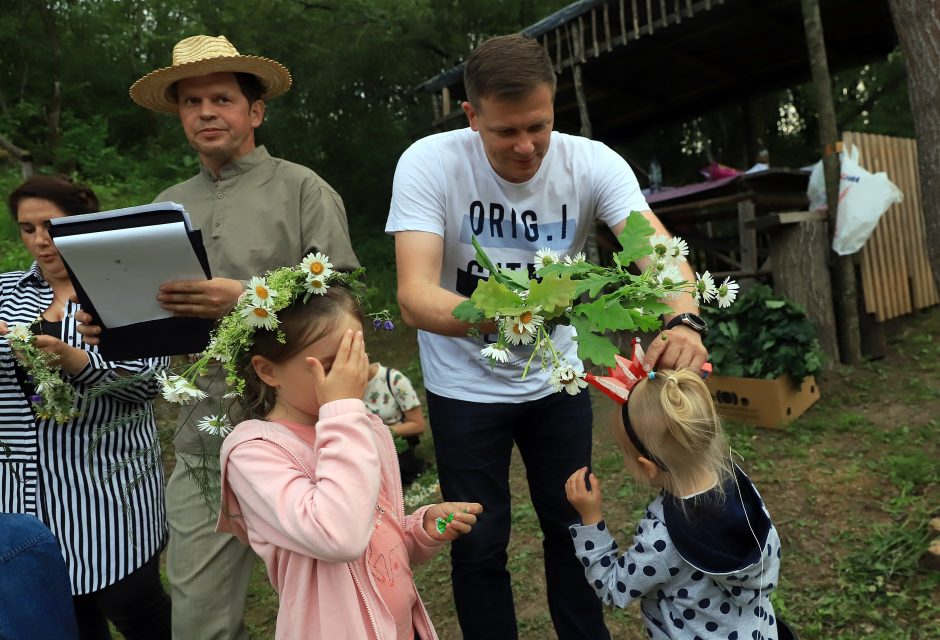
x=596 y=300
x=257 y=309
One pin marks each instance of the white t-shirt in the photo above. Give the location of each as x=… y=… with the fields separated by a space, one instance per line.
x=444 y=184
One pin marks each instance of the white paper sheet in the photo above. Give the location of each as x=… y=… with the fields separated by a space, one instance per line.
x=117 y=213
x=121 y=270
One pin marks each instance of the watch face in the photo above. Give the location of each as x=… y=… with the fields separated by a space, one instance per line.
x=694 y=321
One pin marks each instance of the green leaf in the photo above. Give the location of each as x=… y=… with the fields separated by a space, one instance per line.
x=634 y=239
x=606 y=315
x=519 y=277
x=596 y=348
x=490 y=296
x=552 y=293
x=468 y=312
x=594 y=283
x=775 y=304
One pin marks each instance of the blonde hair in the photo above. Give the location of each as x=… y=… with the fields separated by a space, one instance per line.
x=674 y=416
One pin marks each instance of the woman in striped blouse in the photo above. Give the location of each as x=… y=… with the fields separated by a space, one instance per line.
x=96 y=480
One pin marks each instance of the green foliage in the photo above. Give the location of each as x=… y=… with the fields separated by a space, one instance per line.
x=762 y=336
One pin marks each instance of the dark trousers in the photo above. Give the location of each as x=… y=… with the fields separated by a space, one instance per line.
x=137 y=605
x=473 y=443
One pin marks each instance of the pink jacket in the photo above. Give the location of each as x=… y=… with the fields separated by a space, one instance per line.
x=307 y=506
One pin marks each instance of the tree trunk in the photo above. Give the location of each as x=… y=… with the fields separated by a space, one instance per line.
x=54 y=106
x=843 y=268
x=918 y=28
x=24 y=156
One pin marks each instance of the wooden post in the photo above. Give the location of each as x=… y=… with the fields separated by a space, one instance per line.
x=590 y=246
x=844 y=268
x=747 y=236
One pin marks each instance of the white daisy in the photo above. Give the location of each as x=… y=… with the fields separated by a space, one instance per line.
x=727 y=292
x=678 y=249
x=216 y=425
x=705 y=289
x=231 y=395
x=317 y=265
x=545 y=257
x=670 y=276
x=259 y=317
x=528 y=320
x=187 y=391
x=565 y=377
x=316 y=285
x=517 y=334
x=259 y=294
x=661 y=247
x=496 y=353
x=20 y=333
x=577 y=259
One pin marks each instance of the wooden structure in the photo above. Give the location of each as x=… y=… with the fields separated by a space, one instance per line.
x=641 y=62
x=896 y=275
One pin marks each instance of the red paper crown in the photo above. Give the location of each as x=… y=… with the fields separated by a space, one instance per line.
x=623 y=377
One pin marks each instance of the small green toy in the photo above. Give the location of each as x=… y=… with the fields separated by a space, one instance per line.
x=442 y=523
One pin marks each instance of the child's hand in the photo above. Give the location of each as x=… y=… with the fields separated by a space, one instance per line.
x=348 y=376
x=464 y=517
x=587 y=502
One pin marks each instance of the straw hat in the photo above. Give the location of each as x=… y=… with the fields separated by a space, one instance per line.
x=202 y=55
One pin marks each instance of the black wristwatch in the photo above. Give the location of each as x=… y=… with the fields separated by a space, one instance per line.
x=692 y=321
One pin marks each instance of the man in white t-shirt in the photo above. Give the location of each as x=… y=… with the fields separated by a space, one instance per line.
x=518 y=187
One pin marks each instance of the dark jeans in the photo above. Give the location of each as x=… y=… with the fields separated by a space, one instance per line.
x=473 y=443
x=35 y=594
x=137 y=605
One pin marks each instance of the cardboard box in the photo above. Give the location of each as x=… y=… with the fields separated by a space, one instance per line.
x=763 y=403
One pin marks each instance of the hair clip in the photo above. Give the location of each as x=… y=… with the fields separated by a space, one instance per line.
x=651 y=375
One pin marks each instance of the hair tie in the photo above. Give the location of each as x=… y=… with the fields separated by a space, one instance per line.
x=672 y=378
x=651 y=375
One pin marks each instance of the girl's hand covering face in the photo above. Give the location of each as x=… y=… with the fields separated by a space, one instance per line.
x=348 y=376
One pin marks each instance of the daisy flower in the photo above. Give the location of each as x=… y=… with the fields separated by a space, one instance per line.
x=670 y=276
x=705 y=289
x=678 y=249
x=260 y=317
x=528 y=320
x=727 y=292
x=661 y=246
x=20 y=333
x=216 y=425
x=517 y=334
x=259 y=294
x=565 y=377
x=545 y=257
x=316 y=285
x=496 y=353
x=578 y=258
x=317 y=265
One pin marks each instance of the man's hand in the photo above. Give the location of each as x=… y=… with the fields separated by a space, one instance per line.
x=200 y=298
x=677 y=348
x=460 y=525
x=586 y=501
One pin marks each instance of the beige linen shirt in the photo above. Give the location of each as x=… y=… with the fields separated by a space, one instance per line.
x=260 y=214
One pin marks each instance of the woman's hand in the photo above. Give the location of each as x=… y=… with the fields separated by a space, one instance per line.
x=464 y=517
x=70 y=359
x=349 y=374
x=586 y=501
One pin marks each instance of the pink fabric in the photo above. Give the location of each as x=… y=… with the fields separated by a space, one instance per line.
x=387 y=559
x=305 y=499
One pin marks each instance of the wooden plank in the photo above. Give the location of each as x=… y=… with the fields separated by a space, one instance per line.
x=900 y=175
x=871 y=256
x=898 y=225
x=597 y=50
x=623 y=22
x=784 y=218
x=636 y=20
x=650 y=27
x=689 y=12
x=748 y=237
x=677 y=10
x=607 y=27
x=558 y=51
x=933 y=295
x=882 y=242
x=892 y=221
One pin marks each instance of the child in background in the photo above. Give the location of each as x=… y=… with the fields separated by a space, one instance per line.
x=391 y=396
x=311 y=481
x=705 y=556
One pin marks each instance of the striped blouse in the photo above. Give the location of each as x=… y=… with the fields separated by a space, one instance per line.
x=108 y=524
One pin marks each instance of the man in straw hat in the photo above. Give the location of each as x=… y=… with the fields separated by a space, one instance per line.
x=256 y=213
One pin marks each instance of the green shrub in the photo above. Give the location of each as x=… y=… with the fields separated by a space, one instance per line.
x=762 y=336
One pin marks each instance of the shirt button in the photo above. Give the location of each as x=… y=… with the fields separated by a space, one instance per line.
x=221 y=196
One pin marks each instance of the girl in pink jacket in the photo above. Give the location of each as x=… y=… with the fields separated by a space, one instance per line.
x=311 y=482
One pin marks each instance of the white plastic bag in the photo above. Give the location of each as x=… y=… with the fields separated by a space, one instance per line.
x=863 y=199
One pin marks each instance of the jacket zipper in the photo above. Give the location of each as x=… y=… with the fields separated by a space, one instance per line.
x=375 y=628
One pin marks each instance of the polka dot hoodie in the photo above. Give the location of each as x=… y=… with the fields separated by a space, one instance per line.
x=699 y=574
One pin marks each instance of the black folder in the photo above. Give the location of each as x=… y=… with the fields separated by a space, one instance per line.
x=164 y=337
